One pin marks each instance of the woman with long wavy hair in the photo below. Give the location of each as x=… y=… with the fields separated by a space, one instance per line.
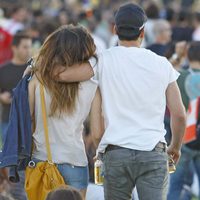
x=67 y=104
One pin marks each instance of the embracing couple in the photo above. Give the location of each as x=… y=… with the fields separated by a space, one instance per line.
x=126 y=90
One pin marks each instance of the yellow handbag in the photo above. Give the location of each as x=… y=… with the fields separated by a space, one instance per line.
x=43 y=177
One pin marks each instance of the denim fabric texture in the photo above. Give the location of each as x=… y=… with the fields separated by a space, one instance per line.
x=4 y=127
x=127 y=168
x=75 y=176
x=183 y=176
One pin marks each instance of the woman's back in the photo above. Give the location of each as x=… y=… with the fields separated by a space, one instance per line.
x=67 y=104
x=65 y=132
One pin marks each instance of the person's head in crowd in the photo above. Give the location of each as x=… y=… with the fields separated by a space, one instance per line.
x=91 y=24
x=98 y=15
x=34 y=30
x=194 y=52
x=38 y=16
x=169 y=15
x=184 y=17
x=66 y=46
x=63 y=17
x=129 y=23
x=19 y=13
x=152 y=11
x=47 y=28
x=162 y=31
x=21 y=47
x=64 y=193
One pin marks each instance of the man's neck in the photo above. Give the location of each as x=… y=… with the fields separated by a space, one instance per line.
x=132 y=43
x=17 y=61
x=195 y=65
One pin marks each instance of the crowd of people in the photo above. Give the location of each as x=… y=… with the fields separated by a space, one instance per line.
x=171 y=30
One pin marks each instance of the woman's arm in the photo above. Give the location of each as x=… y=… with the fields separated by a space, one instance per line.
x=96 y=119
x=31 y=93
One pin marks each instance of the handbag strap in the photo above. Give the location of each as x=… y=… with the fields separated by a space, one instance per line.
x=44 y=116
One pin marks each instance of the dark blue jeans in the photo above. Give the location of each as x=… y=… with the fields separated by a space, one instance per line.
x=126 y=168
x=189 y=161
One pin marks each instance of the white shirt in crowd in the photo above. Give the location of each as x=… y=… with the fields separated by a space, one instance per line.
x=196 y=34
x=12 y=26
x=133 y=83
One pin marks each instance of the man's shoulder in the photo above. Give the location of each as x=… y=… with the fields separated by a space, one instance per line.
x=157 y=58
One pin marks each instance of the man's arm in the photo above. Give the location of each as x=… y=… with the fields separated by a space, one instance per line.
x=96 y=119
x=178 y=120
x=74 y=73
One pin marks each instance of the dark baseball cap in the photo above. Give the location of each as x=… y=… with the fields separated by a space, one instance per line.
x=130 y=19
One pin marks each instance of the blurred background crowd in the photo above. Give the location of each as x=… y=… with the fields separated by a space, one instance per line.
x=172 y=25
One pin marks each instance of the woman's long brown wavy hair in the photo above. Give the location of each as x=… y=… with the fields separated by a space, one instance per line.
x=66 y=46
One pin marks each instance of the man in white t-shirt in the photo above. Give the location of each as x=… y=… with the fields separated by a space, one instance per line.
x=136 y=84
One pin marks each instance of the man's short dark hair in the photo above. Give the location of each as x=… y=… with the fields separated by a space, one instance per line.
x=194 y=52
x=126 y=37
x=18 y=37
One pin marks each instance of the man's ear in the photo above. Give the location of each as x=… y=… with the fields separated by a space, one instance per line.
x=142 y=34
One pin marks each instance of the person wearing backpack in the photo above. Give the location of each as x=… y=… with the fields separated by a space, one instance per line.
x=189 y=84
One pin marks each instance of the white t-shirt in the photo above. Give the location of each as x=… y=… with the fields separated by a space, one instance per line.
x=133 y=83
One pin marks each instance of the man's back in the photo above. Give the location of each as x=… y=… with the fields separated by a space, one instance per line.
x=133 y=82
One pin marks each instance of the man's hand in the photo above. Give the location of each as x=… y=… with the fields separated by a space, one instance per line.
x=174 y=153
x=5 y=98
x=58 y=69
